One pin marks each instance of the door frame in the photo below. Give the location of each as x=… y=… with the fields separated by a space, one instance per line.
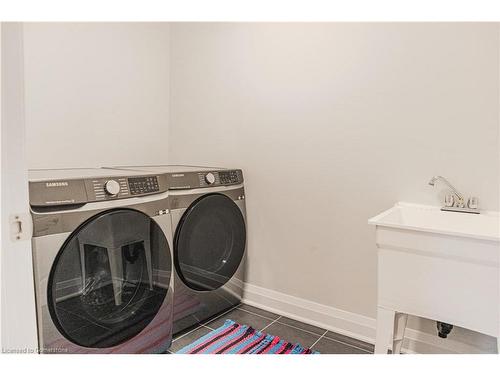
x=16 y=264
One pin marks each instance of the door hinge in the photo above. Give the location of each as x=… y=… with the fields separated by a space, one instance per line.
x=21 y=227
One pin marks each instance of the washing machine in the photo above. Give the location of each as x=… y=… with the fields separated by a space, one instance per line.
x=102 y=258
x=207 y=207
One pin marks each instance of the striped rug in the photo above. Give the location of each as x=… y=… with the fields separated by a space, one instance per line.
x=234 y=338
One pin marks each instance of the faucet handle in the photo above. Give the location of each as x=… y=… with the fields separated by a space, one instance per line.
x=449 y=200
x=472 y=203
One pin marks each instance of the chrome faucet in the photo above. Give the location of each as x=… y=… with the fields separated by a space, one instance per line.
x=456 y=201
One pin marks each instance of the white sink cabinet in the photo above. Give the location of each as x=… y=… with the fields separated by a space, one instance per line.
x=438 y=265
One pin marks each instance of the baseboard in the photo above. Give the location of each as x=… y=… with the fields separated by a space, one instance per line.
x=345 y=322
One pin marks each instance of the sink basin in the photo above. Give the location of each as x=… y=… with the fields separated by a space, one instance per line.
x=485 y=226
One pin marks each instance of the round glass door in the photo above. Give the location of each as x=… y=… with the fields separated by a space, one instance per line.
x=109 y=279
x=209 y=242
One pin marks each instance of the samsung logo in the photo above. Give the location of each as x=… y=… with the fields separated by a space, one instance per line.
x=56 y=184
x=178 y=175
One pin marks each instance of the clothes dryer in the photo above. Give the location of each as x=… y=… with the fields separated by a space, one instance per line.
x=207 y=207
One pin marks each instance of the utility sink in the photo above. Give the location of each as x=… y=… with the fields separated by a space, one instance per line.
x=431 y=219
x=439 y=265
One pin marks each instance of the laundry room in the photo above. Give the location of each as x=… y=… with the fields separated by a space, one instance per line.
x=250 y=187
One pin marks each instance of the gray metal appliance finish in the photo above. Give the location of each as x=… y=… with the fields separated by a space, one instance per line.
x=62 y=187
x=191 y=187
x=102 y=262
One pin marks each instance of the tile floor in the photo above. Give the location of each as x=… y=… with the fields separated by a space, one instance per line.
x=324 y=341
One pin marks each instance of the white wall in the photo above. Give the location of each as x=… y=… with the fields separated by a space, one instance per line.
x=96 y=93
x=333 y=123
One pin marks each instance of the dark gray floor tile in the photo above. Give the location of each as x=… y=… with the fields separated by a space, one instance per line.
x=348 y=340
x=327 y=346
x=185 y=324
x=292 y=334
x=187 y=339
x=186 y=330
x=256 y=310
x=241 y=317
x=300 y=325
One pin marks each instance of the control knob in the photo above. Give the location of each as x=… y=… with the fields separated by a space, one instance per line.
x=112 y=187
x=209 y=178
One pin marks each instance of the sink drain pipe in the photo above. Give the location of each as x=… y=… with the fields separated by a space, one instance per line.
x=444 y=329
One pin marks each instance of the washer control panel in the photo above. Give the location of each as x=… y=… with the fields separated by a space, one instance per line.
x=97 y=189
x=123 y=187
x=143 y=185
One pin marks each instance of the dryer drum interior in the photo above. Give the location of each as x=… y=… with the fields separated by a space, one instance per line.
x=209 y=242
x=109 y=279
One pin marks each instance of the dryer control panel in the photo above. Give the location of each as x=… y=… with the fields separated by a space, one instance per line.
x=228 y=177
x=195 y=180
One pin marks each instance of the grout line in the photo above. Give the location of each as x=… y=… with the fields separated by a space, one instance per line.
x=186 y=333
x=300 y=329
x=210 y=328
x=286 y=324
x=204 y=325
x=221 y=314
x=319 y=338
x=347 y=344
x=254 y=313
x=274 y=321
